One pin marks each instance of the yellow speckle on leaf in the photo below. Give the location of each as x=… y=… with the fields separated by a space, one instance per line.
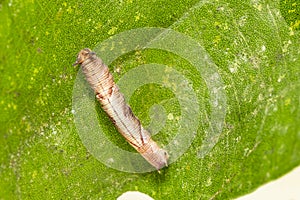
x=225 y=26
x=153 y=193
x=69 y=10
x=64 y=4
x=292 y=11
x=287 y=102
x=35 y=71
x=170 y=116
x=112 y=30
x=291 y=31
x=28 y=127
x=296 y=25
x=208 y=182
x=259 y=7
x=98 y=25
x=47 y=33
x=12 y=106
x=34 y=174
x=217 y=39
x=137 y=16
x=217 y=24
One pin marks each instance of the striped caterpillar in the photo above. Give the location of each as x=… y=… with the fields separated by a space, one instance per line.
x=113 y=103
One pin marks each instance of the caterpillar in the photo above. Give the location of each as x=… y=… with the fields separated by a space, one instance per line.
x=113 y=103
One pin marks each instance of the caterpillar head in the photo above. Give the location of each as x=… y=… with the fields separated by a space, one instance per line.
x=83 y=55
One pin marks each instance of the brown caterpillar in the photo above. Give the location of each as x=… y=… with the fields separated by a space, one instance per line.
x=113 y=103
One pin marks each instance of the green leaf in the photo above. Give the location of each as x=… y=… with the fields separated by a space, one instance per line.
x=254 y=46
